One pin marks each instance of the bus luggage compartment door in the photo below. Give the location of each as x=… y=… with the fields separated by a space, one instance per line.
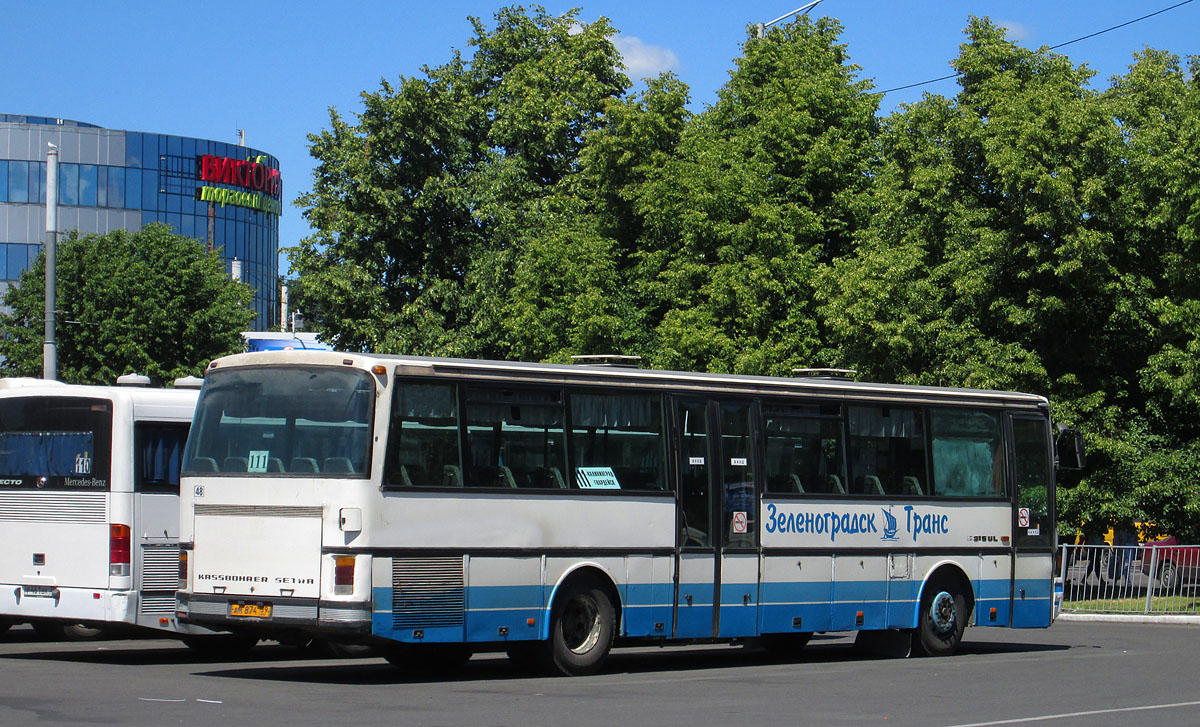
x=277 y=554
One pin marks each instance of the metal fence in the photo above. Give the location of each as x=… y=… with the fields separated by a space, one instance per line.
x=1131 y=579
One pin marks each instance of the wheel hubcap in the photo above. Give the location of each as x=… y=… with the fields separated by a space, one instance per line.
x=941 y=612
x=581 y=625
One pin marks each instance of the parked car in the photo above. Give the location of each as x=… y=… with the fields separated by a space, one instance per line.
x=1175 y=565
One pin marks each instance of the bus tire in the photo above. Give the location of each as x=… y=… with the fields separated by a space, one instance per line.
x=220 y=645
x=942 y=619
x=5 y=625
x=582 y=628
x=82 y=632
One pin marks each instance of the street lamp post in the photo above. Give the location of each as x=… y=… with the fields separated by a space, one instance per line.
x=802 y=10
x=50 y=347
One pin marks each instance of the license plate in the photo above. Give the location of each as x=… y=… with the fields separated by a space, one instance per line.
x=250 y=610
x=39 y=591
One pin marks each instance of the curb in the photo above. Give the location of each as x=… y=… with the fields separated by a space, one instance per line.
x=1140 y=618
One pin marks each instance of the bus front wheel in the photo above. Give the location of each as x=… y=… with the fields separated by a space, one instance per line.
x=943 y=618
x=582 y=629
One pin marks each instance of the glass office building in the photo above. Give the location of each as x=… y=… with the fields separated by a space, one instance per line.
x=224 y=194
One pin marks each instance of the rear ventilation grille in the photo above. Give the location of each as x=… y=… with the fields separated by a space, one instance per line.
x=53 y=507
x=160 y=567
x=428 y=592
x=257 y=511
x=157 y=605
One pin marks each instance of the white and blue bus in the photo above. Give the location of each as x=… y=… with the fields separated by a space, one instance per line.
x=89 y=504
x=439 y=507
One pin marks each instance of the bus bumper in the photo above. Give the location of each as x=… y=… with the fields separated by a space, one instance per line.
x=307 y=614
x=23 y=602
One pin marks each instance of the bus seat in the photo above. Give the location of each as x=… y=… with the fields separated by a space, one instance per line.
x=404 y=478
x=303 y=464
x=796 y=486
x=911 y=486
x=740 y=540
x=835 y=484
x=553 y=478
x=337 y=466
x=451 y=476
x=204 y=464
x=871 y=485
x=498 y=476
x=275 y=465
x=235 y=464
x=693 y=536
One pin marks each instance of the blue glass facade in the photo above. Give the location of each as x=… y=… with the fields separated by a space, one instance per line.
x=111 y=179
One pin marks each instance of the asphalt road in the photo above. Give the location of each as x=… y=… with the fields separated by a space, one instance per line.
x=1072 y=674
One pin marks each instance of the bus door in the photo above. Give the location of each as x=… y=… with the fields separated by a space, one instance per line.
x=717 y=591
x=158 y=449
x=1033 y=522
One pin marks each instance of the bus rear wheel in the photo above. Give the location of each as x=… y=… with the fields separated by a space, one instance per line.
x=582 y=629
x=943 y=618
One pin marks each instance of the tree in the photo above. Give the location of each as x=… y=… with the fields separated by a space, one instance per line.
x=420 y=208
x=763 y=190
x=1033 y=234
x=149 y=302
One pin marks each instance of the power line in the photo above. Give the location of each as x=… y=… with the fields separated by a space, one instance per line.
x=1053 y=47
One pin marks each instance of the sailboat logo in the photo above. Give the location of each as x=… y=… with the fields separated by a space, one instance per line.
x=889 y=530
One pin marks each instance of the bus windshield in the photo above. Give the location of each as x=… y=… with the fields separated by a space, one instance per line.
x=55 y=443
x=283 y=421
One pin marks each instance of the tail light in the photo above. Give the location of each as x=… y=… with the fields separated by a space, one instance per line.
x=118 y=550
x=183 y=570
x=343 y=575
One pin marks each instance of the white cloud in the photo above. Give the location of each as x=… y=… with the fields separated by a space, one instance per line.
x=1016 y=32
x=642 y=60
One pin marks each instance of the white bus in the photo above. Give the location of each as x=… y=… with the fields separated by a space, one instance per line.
x=437 y=507
x=89 y=504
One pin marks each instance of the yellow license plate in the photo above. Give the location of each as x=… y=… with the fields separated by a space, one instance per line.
x=252 y=610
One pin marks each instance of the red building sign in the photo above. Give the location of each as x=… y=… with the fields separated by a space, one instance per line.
x=248 y=174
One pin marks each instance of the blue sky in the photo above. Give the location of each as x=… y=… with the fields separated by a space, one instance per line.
x=274 y=68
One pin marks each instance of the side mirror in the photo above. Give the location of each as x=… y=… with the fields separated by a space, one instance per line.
x=1069 y=448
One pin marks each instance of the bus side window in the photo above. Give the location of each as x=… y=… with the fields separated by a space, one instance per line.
x=968 y=456
x=617 y=441
x=423 y=438
x=804 y=445
x=887 y=450
x=159 y=449
x=516 y=437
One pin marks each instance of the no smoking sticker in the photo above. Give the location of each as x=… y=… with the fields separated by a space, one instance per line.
x=1023 y=517
x=739 y=522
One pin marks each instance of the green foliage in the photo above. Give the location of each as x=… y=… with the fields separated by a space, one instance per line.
x=765 y=187
x=148 y=302
x=1029 y=233
x=422 y=208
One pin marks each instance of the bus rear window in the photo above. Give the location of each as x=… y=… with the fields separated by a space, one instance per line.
x=280 y=422
x=55 y=443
